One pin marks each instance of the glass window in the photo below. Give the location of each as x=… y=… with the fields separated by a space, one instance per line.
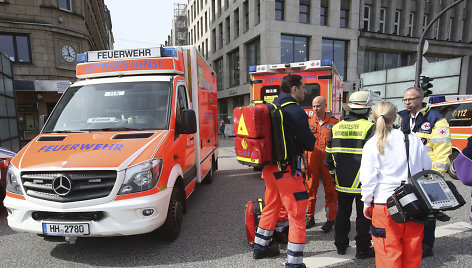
x=219 y=73
x=382 y=20
x=220 y=27
x=344 y=14
x=112 y=107
x=246 y=15
x=366 y=18
x=410 y=24
x=312 y=91
x=437 y=28
x=234 y=68
x=293 y=48
x=228 y=29
x=391 y=60
x=425 y=22
x=258 y=11
x=16 y=47
x=304 y=11
x=324 y=12
x=65 y=5
x=396 y=29
x=279 y=9
x=336 y=51
x=253 y=55
x=236 y=23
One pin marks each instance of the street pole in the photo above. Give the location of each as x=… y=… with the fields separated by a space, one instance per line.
x=419 y=56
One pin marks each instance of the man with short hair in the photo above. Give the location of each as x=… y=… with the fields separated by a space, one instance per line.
x=432 y=128
x=321 y=124
x=284 y=183
x=343 y=159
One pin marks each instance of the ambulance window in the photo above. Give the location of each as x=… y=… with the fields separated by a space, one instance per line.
x=461 y=116
x=312 y=91
x=181 y=102
x=268 y=93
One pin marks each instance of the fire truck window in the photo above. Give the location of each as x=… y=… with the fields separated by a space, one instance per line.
x=460 y=116
x=312 y=91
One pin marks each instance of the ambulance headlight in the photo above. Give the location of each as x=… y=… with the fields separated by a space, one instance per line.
x=141 y=177
x=13 y=180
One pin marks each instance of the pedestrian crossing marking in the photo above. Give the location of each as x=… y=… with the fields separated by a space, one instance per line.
x=332 y=257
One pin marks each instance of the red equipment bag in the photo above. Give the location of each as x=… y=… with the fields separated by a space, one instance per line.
x=252 y=217
x=253 y=142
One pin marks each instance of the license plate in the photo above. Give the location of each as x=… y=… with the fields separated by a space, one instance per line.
x=66 y=229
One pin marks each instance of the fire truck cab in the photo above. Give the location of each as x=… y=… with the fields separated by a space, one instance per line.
x=122 y=150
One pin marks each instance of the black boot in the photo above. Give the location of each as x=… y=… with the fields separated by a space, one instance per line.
x=271 y=251
x=310 y=222
x=327 y=226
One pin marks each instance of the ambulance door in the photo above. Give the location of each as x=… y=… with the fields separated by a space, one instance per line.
x=185 y=153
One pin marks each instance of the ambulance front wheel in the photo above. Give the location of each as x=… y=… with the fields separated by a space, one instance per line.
x=171 y=228
x=451 y=170
x=211 y=172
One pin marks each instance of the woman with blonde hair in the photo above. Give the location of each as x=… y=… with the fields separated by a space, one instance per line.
x=383 y=167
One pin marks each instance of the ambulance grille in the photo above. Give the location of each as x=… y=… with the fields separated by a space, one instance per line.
x=128 y=136
x=51 y=138
x=83 y=185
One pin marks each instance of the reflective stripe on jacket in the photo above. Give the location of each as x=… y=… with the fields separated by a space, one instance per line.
x=432 y=128
x=344 y=152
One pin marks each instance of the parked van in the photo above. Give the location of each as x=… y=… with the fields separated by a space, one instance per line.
x=458 y=111
x=122 y=150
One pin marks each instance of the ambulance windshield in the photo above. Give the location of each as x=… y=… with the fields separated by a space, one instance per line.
x=112 y=107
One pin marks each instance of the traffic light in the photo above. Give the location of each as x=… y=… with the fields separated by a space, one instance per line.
x=425 y=85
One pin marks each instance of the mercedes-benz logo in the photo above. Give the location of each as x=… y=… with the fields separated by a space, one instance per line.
x=62 y=185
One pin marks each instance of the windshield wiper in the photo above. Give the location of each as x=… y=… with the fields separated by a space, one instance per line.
x=64 y=131
x=112 y=129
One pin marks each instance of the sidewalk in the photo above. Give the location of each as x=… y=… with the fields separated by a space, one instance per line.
x=227 y=156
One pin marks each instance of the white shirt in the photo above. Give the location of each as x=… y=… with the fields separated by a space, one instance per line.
x=413 y=119
x=381 y=174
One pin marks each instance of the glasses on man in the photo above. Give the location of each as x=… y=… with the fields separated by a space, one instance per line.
x=410 y=99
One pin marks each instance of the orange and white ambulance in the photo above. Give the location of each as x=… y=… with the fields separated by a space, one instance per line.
x=122 y=150
x=320 y=78
x=458 y=112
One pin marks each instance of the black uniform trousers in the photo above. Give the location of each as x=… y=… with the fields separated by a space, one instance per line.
x=342 y=224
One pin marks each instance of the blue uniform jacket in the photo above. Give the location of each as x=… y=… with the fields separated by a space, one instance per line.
x=297 y=131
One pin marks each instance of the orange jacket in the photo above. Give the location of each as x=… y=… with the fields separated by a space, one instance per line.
x=321 y=132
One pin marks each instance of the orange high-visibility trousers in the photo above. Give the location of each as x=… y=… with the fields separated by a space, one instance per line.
x=312 y=184
x=396 y=245
x=287 y=190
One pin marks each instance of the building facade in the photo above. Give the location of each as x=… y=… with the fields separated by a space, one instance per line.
x=42 y=39
x=358 y=35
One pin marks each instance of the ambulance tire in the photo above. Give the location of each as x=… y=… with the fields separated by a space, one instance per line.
x=171 y=228
x=2 y=193
x=209 y=177
x=451 y=170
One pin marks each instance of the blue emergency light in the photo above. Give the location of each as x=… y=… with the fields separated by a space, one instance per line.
x=168 y=52
x=252 y=68
x=82 y=57
x=437 y=99
x=326 y=62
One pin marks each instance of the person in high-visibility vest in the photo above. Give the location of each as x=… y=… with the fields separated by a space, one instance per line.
x=321 y=124
x=284 y=182
x=343 y=159
x=432 y=128
x=383 y=168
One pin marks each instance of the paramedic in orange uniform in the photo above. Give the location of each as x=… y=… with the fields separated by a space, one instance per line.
x=284 y=182
x=321 y=124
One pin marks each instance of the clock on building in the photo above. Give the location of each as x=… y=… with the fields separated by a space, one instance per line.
x=68 y=53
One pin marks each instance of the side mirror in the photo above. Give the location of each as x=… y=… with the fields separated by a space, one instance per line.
x=189 y=122
x=42 y=119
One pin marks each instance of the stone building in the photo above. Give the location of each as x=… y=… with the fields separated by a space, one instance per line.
x=42 y=39
x=358 y=35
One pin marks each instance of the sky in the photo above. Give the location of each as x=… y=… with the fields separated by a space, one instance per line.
x=141 y=23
